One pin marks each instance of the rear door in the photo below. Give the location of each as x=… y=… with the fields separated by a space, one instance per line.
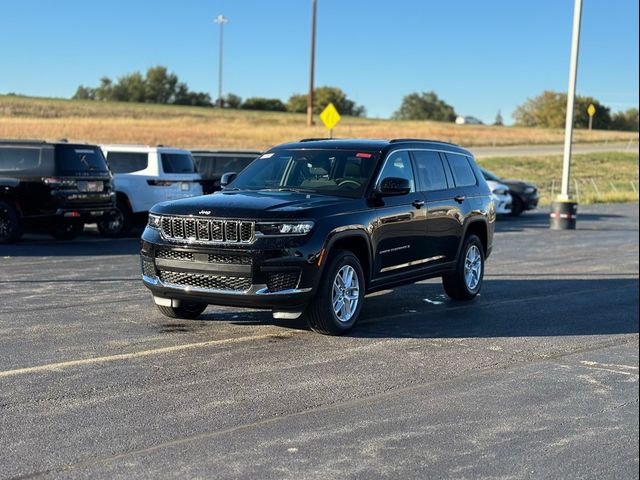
x=444 y=218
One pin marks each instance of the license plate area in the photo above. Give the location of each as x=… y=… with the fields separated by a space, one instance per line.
x=90 y=186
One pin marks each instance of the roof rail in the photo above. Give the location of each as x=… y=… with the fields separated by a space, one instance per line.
x=22 y=140
x=316 y=139
x=397 y=140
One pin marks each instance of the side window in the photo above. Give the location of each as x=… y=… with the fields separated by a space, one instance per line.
x=14 y=159
x=430 y=171
x=398 y=165
x=462 y=171
x=126 y=162
x=232 y=163
x=177 y=163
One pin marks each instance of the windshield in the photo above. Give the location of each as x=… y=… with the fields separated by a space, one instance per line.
x=83 y=159
x=329 y=172
x=490 y=176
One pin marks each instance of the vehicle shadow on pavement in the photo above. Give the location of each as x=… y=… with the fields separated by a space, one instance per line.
x=506 y=308
x=83 y=246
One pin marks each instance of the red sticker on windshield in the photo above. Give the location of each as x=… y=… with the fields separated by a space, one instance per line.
x=363 y=155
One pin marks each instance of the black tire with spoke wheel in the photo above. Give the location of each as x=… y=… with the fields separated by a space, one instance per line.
x=10 y=229
x=465 y=282
x=120 y=224
x=336 y=307
x=185 y=310
x=67 y=231
x=517 y=207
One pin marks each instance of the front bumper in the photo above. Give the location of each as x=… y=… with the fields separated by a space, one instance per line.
x=245 y=276
x=503 y=203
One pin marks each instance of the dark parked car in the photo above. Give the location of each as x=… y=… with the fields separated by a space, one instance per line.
x=212 y=164
x=52 y=187
x=524 y=195
x=313 y=226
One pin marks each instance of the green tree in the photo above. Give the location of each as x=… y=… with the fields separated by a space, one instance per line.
x=424 y=106
x=322 y=96
x=549 y=109
x=498 y=120
x=260 y=103
x=160 y=85
x=183 y=96
x=627 y=120
x=232 y=100
x=84 y=93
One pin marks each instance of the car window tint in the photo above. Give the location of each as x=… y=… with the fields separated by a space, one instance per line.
x=79 y=159
x=430 y=171
x=398 y=165
x=18 y=158
x=462 y=171
x=177 y=163
x=127 y=162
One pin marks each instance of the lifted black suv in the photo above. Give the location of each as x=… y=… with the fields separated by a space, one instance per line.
x=311 y=227
x=52 y=187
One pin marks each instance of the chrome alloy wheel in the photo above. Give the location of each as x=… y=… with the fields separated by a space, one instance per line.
x=114 y=225
x=345 y=294
x=472 y=267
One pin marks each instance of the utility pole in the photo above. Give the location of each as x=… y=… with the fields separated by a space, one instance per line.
x=312 y=64
x=220 y=20
x=568 y=128
x=564 y=211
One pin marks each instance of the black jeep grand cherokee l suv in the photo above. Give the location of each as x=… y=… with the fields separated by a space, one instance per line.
x=52 y=187
x=311 y=227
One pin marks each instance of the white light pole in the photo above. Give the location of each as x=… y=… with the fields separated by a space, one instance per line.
x=312 y=64
x=568 y=128
x=220 y=20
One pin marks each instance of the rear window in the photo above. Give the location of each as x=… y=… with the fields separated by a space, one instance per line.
x=15 y=159
x=462 y=171
x=177 y=163
x=83 y=159
x=215 y=165
x=127 y=162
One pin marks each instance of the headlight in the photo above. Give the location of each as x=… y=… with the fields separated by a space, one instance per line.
x=530 y=189
x=154 y=221
x=500 y=191
x=284 y=228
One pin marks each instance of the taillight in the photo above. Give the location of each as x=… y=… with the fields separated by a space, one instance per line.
x=59 y=182
x=159 y=183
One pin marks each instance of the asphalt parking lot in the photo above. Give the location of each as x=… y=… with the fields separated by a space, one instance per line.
x=537 y=378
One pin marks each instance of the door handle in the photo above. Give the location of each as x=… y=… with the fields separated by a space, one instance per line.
x=459 y=198
x=418 y=204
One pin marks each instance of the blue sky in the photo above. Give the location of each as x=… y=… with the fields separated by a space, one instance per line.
x=479 y=56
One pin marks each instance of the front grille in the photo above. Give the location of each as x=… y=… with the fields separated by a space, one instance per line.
x=229 y=259
x=174 y=255
x=279 y=281
x=209 y=282
x=148 y=269
x=207 y=230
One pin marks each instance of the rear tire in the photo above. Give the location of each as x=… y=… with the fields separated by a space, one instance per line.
x=517 y=207
x=67 y=231
x=119 y=225
x=188 y=311
x=10 y=228
x=465 y=281
x=337 y=304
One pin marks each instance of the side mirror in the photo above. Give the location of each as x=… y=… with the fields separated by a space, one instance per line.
x=227 y=178
x=392 y=186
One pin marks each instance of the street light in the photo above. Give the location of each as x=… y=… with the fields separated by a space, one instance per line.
x=220 y=20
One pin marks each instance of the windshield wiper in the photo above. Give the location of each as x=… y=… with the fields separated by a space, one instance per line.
x=287 y=189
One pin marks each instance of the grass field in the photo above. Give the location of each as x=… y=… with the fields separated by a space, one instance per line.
x=604 y=177
x=190 y=127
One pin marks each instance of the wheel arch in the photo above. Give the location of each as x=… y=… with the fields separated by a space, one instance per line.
x=357 y=242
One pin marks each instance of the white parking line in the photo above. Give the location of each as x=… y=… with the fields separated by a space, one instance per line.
x=51 y=367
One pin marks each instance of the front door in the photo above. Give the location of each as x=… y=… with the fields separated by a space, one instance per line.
x=399 y=230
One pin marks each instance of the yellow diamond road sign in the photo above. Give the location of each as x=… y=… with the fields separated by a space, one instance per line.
x=330 y=116
x=591 y=109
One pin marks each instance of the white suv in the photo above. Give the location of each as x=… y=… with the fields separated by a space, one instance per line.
x=144 y=176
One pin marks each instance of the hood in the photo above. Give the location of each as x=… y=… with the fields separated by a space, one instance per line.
x=257 y=205
x=517 y=185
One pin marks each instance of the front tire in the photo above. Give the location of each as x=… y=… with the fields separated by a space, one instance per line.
x=188 y=311
x=465 y=281
x=517 y=207
x=336 y=307
x=10 y=228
